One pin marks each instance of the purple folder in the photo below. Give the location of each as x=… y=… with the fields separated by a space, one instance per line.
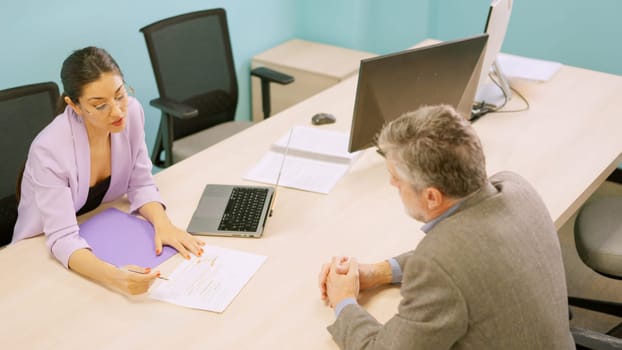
x=123 y=239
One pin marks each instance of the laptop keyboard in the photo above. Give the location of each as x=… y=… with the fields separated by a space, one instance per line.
x=243 y=211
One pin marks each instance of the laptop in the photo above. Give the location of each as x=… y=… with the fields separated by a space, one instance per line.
x=235 y=210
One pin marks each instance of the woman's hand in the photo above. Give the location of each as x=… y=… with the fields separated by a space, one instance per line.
x=177 y=238
x=134 y=280
x=169 y=234
x=129 y=279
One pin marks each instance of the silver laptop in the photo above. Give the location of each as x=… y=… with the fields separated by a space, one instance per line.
x=231 y=210
x=235 y=210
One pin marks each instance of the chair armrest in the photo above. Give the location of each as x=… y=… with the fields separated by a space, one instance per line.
x=267 y=76
x=616 y=176
x=604 y=306
x=595 y=340
x=173 y=108
x=272 y=76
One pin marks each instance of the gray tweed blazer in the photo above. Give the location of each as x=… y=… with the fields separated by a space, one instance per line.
x=490 y=276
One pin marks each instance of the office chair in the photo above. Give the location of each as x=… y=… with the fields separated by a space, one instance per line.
x=193 y=66
x=598 y=240
x=24 y=112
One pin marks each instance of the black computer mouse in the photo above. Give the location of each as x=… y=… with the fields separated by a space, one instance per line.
x=323 y=118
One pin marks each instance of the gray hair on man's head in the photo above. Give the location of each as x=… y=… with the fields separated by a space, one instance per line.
x=435 y=147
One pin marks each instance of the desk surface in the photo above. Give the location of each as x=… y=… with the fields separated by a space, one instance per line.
x=565 y=145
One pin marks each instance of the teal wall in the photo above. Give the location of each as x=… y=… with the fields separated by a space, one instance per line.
x=579 y=33
x=574 y=32
x=36 y=36
x=368 y=25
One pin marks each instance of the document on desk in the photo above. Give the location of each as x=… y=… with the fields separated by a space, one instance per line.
x=316 y=160
x=209 y=282
x=527 y=68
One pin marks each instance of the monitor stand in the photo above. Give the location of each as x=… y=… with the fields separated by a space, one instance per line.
x=490 y=94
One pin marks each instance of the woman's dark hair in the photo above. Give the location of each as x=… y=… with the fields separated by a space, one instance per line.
x=83 y=67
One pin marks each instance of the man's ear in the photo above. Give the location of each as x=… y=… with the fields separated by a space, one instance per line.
x=434 y=198
x=73 y=106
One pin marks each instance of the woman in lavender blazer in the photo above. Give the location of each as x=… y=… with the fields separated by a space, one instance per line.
x=91 y=153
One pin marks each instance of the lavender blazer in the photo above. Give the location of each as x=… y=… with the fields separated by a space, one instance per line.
x=56 y=178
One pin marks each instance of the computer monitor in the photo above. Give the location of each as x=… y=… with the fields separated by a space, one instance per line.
x=494 y=95
x=393 y=84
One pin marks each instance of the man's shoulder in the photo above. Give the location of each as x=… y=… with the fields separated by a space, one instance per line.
x=505 y=207
x=508 y=177
x=517 y=193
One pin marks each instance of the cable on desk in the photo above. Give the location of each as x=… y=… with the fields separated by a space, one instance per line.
x=505 y=97
x=526 y=107
x=483 y=108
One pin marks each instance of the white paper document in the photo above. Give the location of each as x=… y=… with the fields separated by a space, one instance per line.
x=316 y=142
x=514 y=66
x=316 y=160
x=209 y=282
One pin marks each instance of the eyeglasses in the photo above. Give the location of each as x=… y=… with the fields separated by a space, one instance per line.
x=104 y=108
x=378 y=149
x=380 y=152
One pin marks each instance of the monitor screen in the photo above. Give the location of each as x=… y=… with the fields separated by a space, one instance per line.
x=496 y=26
x=391 y=85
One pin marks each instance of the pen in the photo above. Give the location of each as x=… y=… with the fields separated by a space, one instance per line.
x=142 y=273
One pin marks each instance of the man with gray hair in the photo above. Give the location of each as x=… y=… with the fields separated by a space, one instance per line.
x=487 y=275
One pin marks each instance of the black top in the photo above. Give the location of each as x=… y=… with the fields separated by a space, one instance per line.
x=96 y=195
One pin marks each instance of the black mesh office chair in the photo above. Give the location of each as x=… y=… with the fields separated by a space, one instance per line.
x=598 y=240
x=195 y=74
x=24 y=111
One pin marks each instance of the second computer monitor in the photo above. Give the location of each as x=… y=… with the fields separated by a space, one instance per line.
x=495 y=94
x=391 y=85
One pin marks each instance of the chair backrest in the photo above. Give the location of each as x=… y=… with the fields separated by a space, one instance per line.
x=193 y=64
x=24 y=112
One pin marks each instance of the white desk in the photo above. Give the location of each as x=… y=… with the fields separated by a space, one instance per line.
x=565 y=145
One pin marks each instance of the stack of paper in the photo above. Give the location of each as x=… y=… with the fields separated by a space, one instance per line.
x=527 y=68
x=308 y=158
